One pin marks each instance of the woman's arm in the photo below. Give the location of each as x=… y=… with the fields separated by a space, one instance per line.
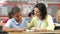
x=50 y=23
x=31 y=24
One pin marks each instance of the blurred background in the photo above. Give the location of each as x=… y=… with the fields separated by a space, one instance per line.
x=26 y=6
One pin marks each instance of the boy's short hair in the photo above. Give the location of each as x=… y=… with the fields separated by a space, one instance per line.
x=15 y=10
x=10 y=15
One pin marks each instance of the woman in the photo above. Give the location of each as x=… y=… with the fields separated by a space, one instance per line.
x=57 y=20
x=58 y=16
x=42 y=21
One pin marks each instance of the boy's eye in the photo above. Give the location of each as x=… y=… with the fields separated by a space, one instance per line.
x=17 y=16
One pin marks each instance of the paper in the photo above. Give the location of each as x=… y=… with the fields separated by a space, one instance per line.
x=27 y=30
x=4 y=11
x=57 y=24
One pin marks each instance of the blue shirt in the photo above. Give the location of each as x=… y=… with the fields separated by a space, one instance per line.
x=13 y=24
x=55 y=21
x=28 y=19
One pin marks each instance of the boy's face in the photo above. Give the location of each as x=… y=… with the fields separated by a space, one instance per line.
x=18 y=16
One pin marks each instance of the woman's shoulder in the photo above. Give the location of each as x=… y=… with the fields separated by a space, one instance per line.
x=48 y=16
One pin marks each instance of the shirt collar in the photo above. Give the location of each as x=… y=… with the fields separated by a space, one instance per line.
x=15 y=21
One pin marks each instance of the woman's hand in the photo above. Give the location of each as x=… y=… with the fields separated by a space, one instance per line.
x=38 y=29
x=33 y=28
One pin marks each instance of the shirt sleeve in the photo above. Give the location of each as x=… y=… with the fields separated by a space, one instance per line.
x=8 y=24
x=24 y=23
x=31 y=24
x=50 y=23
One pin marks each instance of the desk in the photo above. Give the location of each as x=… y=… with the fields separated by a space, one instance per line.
x=41 y=32
x=57 y=26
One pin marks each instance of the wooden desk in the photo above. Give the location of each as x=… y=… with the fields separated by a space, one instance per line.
x=41 y=32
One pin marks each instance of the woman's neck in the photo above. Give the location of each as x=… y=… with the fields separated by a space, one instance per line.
x=38 y=17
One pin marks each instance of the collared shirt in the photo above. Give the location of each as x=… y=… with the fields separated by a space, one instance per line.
x=39 y=22
x=46 y=23
x=13 y=24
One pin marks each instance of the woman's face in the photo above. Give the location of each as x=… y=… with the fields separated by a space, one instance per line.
x=37 y=12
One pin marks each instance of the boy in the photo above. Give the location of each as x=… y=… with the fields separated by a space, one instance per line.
x=17 y=23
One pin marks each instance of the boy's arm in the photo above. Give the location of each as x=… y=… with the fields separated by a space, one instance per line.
x=6 y=29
